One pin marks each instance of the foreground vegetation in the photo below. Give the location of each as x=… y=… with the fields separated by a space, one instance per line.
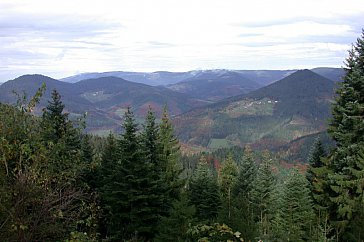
x=59 y=184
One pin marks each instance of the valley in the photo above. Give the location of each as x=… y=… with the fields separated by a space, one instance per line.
x=294 y=107
x=211 y=109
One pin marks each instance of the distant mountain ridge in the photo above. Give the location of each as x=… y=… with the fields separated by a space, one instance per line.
x=297 y=99
x=158 y=78
x=293 y=107
x=214 y=86
x=164 y=78
x=334 y=74
x=104 y=99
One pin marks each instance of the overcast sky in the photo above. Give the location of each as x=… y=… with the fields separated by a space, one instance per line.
x=67 y=37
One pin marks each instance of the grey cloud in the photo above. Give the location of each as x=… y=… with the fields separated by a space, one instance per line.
x=31 y=31
x=92 y=43
x=157 y=44
x=260 y=44
x=264 y=24
x=53 y=26
x=304 y=39
x=327 y=39
x=19 y=54
x=349 y=37
x=245 y=35
x=355 y=21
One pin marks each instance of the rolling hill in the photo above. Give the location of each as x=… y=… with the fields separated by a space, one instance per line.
x=215 y=85
x=104 y=99
x=212 y=85
x=296 y=106
x=110 y=93
x=29 y=84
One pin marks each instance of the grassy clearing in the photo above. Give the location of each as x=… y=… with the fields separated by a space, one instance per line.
x=95 y=97
x=219 y=143
x=263 y=107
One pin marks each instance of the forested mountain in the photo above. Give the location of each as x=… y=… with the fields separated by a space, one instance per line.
x=303 y=93
x=299 y=149
x=293 y=107
x=285 y=110
x=29 y=84
x=215 y=85
x=211 y=85
x=107 y=92
x=104 y=99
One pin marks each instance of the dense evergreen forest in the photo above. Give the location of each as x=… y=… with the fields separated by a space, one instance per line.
x=58 y=183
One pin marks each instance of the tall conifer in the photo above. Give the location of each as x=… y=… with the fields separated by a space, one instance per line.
x=125 y=195
x=295 y=218
x=204 y=193
x=262 y=196
x=346 y=161
x=242 y=196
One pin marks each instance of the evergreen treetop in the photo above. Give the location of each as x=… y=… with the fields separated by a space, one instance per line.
x=346 y=163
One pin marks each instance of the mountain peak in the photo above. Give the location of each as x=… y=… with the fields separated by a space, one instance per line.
x=29 y=77
x=300 y=83
x=308 y=75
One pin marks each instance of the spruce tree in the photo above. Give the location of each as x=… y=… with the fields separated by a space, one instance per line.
x=227 y=179
x=242 y=196
x=158 y=188
x=247 y=174
x=62 y=140
x=174 y=227
x=104 y=177
x=262 y=196
x=204 y=193
x=320 y=193
x=109 y=159
x=170 y=156
x=295 y=218
x=151 y=143
x=54 y=120
x=346 y=161
x=127 y=195
x=88 y=174
x=317 y=176
x=314 y=160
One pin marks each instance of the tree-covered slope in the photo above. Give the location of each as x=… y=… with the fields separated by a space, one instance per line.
x=295 y=106
x=304 y=93
x=104 y=99
x=215 y=85
x=113 y=92
x=29 y=84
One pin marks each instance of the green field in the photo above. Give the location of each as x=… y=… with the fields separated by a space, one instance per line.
x=96 y=96
x=219 y=143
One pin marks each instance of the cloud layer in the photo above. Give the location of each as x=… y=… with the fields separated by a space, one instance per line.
x=67 y=37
